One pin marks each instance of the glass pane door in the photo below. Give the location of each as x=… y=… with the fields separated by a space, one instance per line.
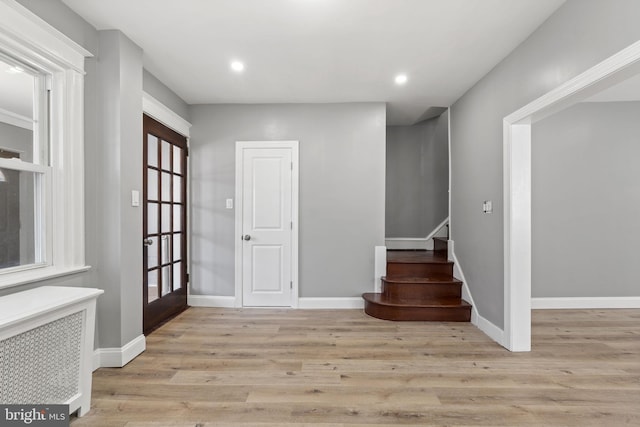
x=165 y=230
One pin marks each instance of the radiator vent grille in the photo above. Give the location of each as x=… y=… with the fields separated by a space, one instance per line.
x=42 y=365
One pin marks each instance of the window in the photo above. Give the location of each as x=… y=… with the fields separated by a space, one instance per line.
x=41 y=150
x=23 y=166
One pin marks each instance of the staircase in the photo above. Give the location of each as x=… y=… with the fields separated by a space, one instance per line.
x=419 y=286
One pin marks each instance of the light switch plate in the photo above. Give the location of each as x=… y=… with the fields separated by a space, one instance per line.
x=135 y=198
x=229 y=204
x=487 y=206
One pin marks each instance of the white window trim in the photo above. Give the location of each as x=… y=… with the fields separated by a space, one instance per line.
x=31 y=40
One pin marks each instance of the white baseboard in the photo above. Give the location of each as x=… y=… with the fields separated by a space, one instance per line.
x=117 y=357
x=420 y=243
x=585 y=302
x=211 y=301
x=405 y=243
x=491 y=330
x=331 y=303
x=229 y=302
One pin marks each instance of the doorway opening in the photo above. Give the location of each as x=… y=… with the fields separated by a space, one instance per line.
x=517 y=183
x=417 y=183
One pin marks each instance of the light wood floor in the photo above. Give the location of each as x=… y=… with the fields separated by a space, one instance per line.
x=228 y=367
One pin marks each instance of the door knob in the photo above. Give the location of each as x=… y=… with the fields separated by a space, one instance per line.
x=147 y=242
x=247 y=237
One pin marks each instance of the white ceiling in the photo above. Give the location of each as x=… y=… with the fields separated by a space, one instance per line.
x=322 y=50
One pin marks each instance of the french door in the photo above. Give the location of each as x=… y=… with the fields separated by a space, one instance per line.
x=165 y=220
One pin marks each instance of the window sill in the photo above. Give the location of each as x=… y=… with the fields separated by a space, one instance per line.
x=24 y=277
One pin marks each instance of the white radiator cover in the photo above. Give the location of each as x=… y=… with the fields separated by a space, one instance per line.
x=46 y=346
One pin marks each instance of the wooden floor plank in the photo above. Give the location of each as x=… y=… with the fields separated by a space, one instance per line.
x=340 y=368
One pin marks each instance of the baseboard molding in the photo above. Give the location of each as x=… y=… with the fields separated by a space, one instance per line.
x=331 y=303
x=211 y=301
x=406 y=243
x=491 y=330
x=309 y=303
x=420 y=243
x=584 y=302
x=117 y=357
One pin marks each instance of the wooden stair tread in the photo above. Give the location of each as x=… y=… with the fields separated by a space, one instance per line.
x=435 y=303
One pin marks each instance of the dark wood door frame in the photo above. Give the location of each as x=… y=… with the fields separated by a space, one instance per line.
x=170 y=270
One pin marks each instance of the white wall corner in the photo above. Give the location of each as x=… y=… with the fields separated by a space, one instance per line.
x=380 y=267
x=117 y=357
x=331 y=303
x=211 y=301
x=585 y=302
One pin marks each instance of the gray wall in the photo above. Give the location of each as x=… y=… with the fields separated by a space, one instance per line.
x=417 y=178
x=586 y=204
x=117 y=161
x=579 y=35
x=162 y=93
x=342 y=174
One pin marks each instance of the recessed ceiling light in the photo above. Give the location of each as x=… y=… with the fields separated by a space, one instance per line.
x=401 y=79
x=237 y=66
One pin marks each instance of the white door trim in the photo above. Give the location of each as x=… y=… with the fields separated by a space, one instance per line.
x=160 y=112
x=295 y=158
x=165 y=115
x=517 y=184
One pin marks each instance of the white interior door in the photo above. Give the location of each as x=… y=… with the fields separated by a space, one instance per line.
x=267 y=226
